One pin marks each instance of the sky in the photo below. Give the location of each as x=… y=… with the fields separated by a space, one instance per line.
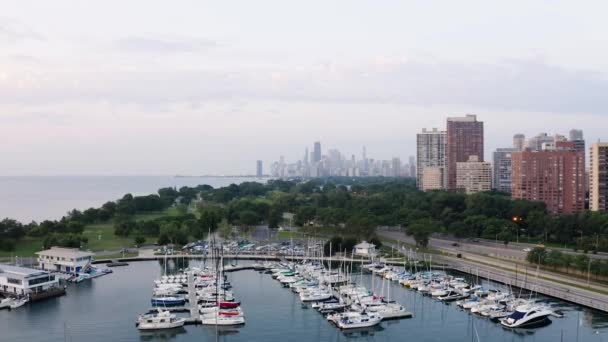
x=208 y=87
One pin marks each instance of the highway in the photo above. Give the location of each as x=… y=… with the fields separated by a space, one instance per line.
x=474 y=261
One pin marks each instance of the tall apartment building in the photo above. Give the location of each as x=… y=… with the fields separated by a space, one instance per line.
x=473 y=176
x=433 y=178
x=259 y=171
x=555 y=176
x=430 y=153
x=502 y=169
x=598 y=177
x=464 y=139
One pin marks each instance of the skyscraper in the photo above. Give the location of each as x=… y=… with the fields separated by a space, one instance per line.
x=430 y=153
x=598 y=177
x=317 y=152
x=519 y=142
x=412 y=165
x=503 y=169
x=259 y=172
x=555 y=176
x=473 y=176
x=576 y=136
x=464 y=139
x=396 y=167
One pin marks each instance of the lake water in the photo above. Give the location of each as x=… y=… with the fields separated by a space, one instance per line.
x=105 y=309
x=40 y=198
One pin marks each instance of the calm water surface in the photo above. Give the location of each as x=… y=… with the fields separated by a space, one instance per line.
x=40 y=198
x=105 y=309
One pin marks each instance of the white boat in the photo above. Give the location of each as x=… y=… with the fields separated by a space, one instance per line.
x=5 y=303
x=527 y=316
x=392 y=311
x=222 y=319
x=362 y=320
x=17 y=303
x=158 y=321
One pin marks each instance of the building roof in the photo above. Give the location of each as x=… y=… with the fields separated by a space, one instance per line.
x=71 y=253
x=365 y=244
x=23 y=271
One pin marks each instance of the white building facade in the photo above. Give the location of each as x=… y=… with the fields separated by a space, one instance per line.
x=67 y=260
x=22 y=281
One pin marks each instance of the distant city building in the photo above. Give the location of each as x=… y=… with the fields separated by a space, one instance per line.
x=576 y=136
x=473 y=175
x=502 y=169
x=433 y=178
x=554 y=175
x=598 y=177
x=536 y=143
x=317 y=152
x=519 y=142
x=464 y=139
x=412 y=166
x=259 y=171
x=430 y=155
x=396 y=167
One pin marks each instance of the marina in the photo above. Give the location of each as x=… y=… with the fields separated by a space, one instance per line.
x=98 y=310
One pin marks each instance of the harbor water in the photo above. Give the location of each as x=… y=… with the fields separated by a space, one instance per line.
x=105 y=309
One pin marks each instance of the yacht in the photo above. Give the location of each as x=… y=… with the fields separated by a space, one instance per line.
x=527 y=316
x=222 y=318
x=159 y=320
x=168 y=301
x=362 y=320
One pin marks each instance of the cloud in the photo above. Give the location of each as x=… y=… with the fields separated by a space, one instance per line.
x=511 y=85
x=13 y=30
x=165 y=45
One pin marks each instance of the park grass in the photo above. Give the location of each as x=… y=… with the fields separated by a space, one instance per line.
x=285 y=235
x=101 y=237
x=26 y=247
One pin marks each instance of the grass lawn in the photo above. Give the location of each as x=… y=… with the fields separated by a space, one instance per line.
x=101 y=237
x=285 y=235
x=25 y=247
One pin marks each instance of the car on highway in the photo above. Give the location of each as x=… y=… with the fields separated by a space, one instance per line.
x=527 y=249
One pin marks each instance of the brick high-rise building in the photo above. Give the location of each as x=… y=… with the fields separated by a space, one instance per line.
x=464 y=139
x=554 y=176
x=598 y=177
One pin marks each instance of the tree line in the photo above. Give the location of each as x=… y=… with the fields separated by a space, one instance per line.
x=351 y=207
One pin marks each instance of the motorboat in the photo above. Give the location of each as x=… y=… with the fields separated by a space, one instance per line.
x=6 y=303
x=527 y=316
x=160 y=320
x=17 y=303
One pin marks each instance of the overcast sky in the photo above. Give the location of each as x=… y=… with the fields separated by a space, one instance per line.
x=200 y=87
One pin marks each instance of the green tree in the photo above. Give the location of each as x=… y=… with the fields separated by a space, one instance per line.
x=140 y=240
x=537 y=255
